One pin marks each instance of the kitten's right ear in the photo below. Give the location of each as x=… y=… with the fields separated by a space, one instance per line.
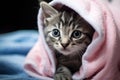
x=48 y=10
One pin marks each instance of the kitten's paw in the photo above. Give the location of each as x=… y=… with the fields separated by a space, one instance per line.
x=63 y=73
x=61 y=76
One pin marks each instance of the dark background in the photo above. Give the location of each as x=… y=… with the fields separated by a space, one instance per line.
x=18 y=14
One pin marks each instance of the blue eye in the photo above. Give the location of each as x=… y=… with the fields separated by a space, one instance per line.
x=76 y=34
x=55 y=32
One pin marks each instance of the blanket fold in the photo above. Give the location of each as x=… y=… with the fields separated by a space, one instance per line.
x=101 y=60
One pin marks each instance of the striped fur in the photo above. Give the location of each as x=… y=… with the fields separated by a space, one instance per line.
x=67 y=23
x=68 y=36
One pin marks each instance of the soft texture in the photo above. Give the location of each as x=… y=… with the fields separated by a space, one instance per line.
x=14 y=47
x=17 y=42
x=101 y=60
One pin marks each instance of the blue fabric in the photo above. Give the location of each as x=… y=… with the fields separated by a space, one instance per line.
x=14 y=47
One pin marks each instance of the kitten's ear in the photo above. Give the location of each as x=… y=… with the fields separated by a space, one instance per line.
x=48 y=10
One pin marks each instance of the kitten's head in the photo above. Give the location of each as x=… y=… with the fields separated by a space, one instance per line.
x=65 y=31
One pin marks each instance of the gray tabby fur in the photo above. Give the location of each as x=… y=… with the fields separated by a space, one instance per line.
x=68 y=36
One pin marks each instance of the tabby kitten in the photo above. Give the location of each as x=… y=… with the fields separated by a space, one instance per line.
x=68 y=36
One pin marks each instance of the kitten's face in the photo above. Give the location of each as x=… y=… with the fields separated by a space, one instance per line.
x=66 y=32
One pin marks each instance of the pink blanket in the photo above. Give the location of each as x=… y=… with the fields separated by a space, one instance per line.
x=101 y=60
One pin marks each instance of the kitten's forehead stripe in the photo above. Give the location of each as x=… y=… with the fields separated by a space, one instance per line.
x=63 y=17
x=67 y=20
x=71 y=19
x=76 y=27
x=72 y=27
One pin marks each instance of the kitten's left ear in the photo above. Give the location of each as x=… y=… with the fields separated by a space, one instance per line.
x=48 y=10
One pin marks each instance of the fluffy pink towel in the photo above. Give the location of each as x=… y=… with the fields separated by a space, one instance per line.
x=101 y=60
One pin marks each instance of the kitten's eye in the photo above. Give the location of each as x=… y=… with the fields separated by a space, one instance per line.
x=56 y=33
x=76 y=34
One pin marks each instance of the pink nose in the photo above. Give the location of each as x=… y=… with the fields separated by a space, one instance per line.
x=64 y=45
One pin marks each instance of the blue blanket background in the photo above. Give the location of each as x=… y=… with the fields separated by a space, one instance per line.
x=14 y=47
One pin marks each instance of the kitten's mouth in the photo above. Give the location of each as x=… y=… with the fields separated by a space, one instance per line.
x=64 y=50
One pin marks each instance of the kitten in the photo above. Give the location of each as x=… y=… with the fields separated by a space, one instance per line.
x=68 y=36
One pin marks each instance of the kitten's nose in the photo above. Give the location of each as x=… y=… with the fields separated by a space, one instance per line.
x=64 y=45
